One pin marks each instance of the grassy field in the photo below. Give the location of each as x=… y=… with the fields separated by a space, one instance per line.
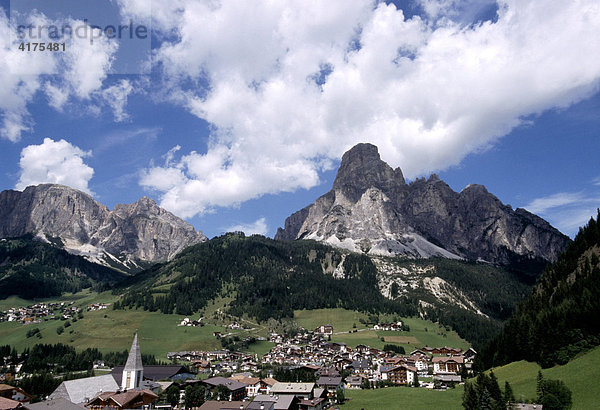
x=82 y=298
x=422 y=333
x=110 y=330
x=342 y=320
x=261 y=347
x=403 y=398
x=580 y=375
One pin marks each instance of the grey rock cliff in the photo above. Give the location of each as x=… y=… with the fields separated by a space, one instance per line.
x=141 y=231
x=371 y=209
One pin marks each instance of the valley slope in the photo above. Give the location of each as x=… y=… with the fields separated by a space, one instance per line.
x=559 y=319
x=33 y=269
x=267 y=279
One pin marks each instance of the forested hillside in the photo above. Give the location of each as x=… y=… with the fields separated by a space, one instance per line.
x=269 y=279
x=560 y=318
x=33 y=269
x=474 y=298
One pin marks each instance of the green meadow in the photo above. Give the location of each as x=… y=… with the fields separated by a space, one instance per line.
x=112 y=330
x=342 y=320
x=580 y=375
x=408 y=398
x=422 y=332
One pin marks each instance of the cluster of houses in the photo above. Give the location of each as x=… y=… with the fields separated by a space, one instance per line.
x=333 y=367
x=397 y=327
x=369 y=366
x=98 y=306
x=190 y=322
x=311 y=351
x=217 y=361
x=40 y=312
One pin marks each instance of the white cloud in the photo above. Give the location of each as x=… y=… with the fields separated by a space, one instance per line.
x=121 y=136
x=257 y=227
x=567 y=211
x=19 y=76
x=87 y=62
x=57 y=162
x=464 y=11
x=57 y=96
x=427 y=95
x=78 y=74
x=116 y=97
x=570 y=220
x=561 y=199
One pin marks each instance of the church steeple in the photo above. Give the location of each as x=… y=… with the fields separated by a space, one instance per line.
x=133 y=373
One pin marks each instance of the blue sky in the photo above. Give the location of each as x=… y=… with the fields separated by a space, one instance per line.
x=248 y=106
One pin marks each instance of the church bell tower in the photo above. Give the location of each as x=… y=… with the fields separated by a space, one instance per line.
x=133 y=373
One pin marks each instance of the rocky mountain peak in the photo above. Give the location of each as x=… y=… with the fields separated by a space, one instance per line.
x=362 y=168
x=424 y=218
x=139 y=231
x=143 y=205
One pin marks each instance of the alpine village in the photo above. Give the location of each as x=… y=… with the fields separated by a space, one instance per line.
x=382 y=294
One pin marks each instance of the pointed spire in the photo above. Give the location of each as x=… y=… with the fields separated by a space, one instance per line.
x=134 y=360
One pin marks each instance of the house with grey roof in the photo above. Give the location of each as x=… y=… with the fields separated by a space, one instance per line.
x=155 y=372
x=237 y=390
x=82 y=390
x=279 y=402
x=55 y=404
x=331 y=383
x=300 y=390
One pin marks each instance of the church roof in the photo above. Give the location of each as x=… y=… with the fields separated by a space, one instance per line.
x=82 y=390
x=134 y=360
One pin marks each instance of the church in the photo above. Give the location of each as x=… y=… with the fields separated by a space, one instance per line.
x=130 y=386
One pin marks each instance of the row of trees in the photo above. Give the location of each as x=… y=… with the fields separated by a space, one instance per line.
x=61 y=358
x=194 y=396
x=485 y=394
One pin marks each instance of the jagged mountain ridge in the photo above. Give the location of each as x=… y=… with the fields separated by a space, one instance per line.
x=372 y=209
x=121 y=238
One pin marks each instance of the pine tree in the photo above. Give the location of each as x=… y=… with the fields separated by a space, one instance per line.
x=485 y=400
x=539 y=387
x=494 y=388
x=339 y=396
x=509 y=396
x=470 y=399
